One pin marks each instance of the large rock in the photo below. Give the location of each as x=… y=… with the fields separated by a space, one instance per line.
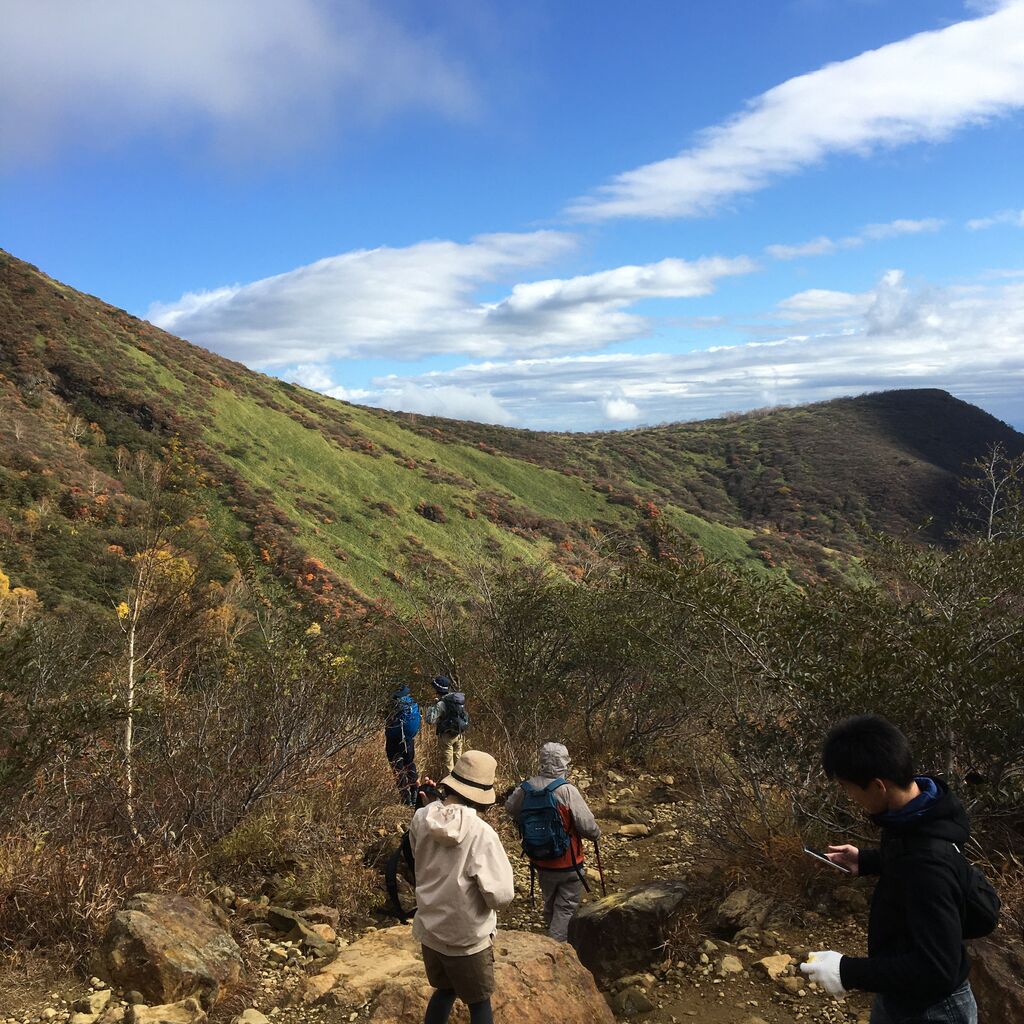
x=744 y=908
x=169 y=948
x=626 y=931
x=536 y=979
x=997 y=977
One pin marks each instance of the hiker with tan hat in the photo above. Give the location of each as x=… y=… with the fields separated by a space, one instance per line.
x=463 y=876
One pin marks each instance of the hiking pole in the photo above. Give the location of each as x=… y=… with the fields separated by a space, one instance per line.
x=600 y=870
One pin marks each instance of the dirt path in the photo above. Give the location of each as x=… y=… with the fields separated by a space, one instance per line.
x=708 y=978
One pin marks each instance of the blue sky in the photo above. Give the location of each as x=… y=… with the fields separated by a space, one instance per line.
x=571 y=215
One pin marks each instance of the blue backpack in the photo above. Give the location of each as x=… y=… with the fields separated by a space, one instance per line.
x=404 y=717
x=410 y=716
x=540 y=823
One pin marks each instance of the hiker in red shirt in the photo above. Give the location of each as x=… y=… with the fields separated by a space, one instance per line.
x=553 y=819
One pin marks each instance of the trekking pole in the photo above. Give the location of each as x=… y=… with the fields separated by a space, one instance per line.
x=600 y=870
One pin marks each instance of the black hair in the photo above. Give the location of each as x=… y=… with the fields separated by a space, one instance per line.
x=867 y=747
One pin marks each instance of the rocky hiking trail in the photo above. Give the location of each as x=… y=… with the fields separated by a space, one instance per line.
x=731 y=961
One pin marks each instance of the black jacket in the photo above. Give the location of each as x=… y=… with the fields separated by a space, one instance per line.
x=916 y=953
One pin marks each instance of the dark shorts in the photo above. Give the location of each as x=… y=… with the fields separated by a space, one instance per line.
x=472 y=977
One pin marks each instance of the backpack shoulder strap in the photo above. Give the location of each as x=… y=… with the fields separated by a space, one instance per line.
x=557 y=784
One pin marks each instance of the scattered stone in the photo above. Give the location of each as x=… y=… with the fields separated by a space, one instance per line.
x=320 y=914
x=186 y=1011
x=169 y=947
x=631 y=1001
x=634 y=831
x=251 y=1016
x=791 y=985
x=730 y=965
x=774 y=966
x=744 y=908
x=94 y=1003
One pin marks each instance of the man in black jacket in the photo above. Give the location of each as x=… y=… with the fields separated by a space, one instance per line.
x=916 y=961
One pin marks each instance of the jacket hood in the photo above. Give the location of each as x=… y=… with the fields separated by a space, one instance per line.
x=554 y=760
x=400 y=692
x=943 y=818
x=448 y=824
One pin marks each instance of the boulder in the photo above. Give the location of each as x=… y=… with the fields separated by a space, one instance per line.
x=168 y=948
x=997 y=977
x=536 y=979
x=744 y=908
x=626 y=931
x=186 y=1011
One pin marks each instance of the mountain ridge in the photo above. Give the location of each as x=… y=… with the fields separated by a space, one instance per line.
x=346 y=503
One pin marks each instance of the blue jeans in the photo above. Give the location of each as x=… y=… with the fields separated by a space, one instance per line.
x=958 y=1007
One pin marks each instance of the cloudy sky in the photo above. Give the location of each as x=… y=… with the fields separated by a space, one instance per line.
x=572 y=215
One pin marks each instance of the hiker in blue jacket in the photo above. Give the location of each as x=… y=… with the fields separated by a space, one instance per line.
x=560 y=867
x=400 y=729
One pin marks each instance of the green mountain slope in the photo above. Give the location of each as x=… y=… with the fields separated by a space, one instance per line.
x=345 y=503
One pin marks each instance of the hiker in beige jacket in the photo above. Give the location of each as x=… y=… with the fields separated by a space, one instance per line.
x=463 y=876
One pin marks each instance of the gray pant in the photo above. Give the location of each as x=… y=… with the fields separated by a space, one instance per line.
x=957 y=1008
x=562 y=891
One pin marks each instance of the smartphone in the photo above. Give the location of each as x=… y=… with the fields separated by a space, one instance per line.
x=825 y=860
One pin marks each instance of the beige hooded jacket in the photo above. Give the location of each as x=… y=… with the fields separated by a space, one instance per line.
x=462 y=877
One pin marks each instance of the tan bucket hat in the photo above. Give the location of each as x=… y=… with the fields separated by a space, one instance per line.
x=473 y=777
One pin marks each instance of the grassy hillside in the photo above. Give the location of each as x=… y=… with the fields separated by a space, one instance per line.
x=346 y=504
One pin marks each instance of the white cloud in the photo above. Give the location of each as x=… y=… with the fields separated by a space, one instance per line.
x=821 y=303
x=444 y=400
x=968 y=340
x=422 y=300
x=823 y=245
x=1015 y=218
x=242 y=76
x=820 y=246
x=620 y=410
x=922 y=88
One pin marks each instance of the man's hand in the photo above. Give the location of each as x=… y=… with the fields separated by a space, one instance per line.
x=846 y=857
x=823 y=969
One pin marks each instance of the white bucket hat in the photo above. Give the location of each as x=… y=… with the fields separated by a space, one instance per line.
x=473 y=777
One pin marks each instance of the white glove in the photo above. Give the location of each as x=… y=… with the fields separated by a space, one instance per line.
x=823 y=969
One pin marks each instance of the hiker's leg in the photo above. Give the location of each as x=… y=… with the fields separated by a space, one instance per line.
x=457 y=747
x=395 y=752
x=411 y=776
x=440 y=1006
x=449 y=740
x=480 y=1013
x=565 y=904
x=549 y=882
